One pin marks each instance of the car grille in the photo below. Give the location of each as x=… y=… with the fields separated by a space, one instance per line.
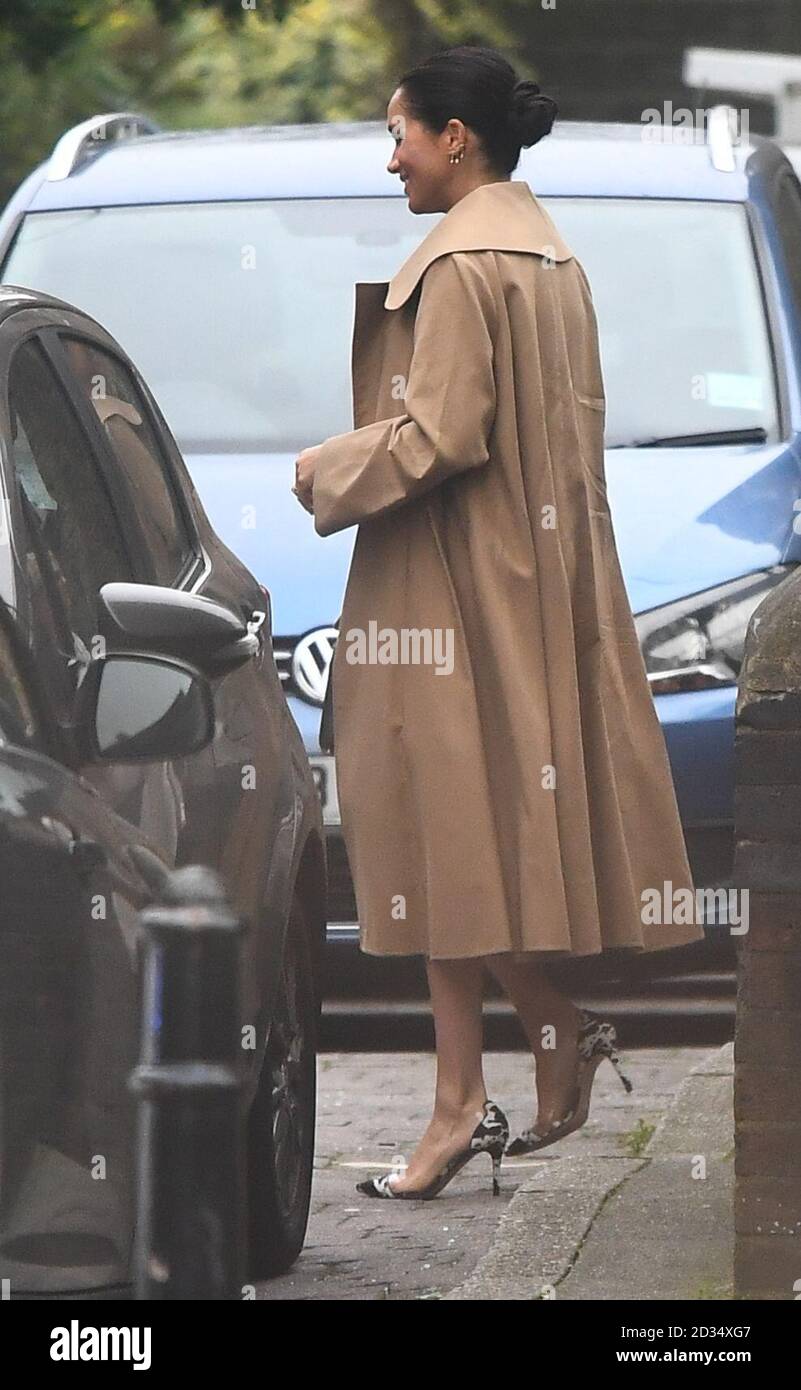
x=283 y=652
x=341 y=898
x=283 y=648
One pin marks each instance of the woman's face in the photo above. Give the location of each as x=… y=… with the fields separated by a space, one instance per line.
x=420 y=158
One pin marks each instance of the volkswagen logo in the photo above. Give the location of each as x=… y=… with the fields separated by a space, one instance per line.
x=310 y=662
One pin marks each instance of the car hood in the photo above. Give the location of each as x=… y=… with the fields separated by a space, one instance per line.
x=685 y=519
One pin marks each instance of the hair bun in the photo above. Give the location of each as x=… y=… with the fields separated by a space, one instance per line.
x=531 y=113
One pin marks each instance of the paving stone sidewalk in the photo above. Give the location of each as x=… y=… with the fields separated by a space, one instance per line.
x=467 y=1244
x=595 y=1225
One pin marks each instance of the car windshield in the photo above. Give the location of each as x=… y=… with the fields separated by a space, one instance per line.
x=239 y=314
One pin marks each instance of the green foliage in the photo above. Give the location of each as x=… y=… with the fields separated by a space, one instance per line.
x=638 y=1138
x=209 y=63
x=37 y=31
x=231 y=11
x=32 y=31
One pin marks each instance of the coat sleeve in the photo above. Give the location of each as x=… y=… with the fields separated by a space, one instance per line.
x=449 y=407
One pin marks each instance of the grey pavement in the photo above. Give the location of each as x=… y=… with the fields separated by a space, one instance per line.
x=599 y=1225
x=613 y=1211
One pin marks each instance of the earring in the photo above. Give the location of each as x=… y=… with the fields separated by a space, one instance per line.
x=457 y=158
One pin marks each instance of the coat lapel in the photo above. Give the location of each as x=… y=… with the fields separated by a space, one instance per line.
x=502 y=216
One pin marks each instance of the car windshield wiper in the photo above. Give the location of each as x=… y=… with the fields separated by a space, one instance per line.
x=756 y=434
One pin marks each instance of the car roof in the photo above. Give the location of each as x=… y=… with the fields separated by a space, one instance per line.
x=348 y=159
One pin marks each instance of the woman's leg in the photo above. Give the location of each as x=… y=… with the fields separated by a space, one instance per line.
x=551 y=1024
x=456 y=988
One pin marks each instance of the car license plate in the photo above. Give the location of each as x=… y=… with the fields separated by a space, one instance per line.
x=324 y=773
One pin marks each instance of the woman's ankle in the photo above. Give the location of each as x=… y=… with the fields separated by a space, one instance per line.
x=562 y=1018
x=453 y=1109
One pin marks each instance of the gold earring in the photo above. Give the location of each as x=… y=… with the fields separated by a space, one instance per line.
x=456 y=158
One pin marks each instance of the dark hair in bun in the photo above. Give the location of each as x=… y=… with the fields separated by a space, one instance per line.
x=478 y=86
x=532 y=113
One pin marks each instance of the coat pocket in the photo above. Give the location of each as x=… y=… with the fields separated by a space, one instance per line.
x=591 y=423
x=595 y=402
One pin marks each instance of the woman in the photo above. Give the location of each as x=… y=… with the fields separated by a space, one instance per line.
x=512 y=804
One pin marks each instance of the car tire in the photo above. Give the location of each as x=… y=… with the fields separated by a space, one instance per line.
x=281 y=1123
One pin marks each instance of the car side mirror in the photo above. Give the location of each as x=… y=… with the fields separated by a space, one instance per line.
x=189 y=627
x=142 y=708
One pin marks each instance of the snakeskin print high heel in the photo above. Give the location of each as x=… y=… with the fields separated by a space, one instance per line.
x=596 y=1040
x=489 y=1136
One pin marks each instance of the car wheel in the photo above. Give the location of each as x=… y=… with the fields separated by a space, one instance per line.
x=280 y=1136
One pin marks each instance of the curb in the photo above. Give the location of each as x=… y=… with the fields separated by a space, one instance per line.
x=570 y=1202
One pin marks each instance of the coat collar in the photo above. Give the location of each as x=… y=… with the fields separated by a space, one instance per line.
x=504 y=216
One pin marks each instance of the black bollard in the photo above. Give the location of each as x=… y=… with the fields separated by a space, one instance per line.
x=190 y=1159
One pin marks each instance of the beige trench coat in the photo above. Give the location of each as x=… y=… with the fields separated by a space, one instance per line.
x=521 y=801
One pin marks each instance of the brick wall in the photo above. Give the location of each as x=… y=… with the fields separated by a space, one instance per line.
x=767 y=862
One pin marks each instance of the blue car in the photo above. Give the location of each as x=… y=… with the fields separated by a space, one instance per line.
x=224 y=261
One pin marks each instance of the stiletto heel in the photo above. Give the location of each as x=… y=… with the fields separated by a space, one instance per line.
x=624 y=1080
x=605 y=1045
x=596 y=1041
x=490 y=1135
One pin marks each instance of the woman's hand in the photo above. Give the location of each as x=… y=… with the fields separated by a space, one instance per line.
x=305 y=466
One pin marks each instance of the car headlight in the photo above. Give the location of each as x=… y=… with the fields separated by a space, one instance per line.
x=697 y=643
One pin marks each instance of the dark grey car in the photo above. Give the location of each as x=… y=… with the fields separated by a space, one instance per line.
x=143 y=726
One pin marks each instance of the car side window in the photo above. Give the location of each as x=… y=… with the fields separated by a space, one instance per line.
x=18 y=720
x=71 y=542
x=115 y=396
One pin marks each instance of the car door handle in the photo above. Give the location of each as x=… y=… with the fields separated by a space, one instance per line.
x=87 y=856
